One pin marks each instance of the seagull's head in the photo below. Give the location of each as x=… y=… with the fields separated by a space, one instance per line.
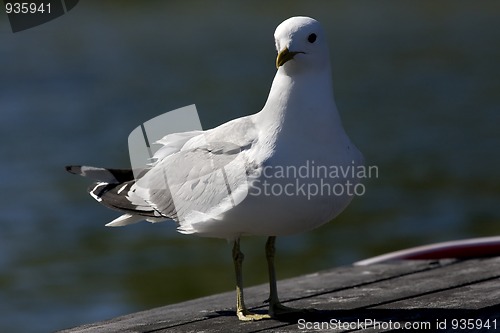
x=301 y=45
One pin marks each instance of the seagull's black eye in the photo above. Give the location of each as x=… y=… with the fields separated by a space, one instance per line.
x=311 y=38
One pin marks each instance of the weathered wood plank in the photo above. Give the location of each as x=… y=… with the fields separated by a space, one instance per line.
x=412 y=285
x=213 y=306
x=400 y=292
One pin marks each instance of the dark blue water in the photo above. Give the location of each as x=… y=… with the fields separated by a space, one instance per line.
x=417 y=86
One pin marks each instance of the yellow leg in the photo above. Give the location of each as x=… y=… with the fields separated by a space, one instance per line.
x=241 y=310
x=275 y=306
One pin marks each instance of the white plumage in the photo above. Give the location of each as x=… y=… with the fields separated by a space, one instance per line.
x=213 y=183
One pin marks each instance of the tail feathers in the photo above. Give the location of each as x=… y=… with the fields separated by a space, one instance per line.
x=102 y=174
x=116 y=196
x=125 y=219
x=112 y=190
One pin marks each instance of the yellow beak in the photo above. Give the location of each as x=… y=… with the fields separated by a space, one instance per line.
x=284 y=56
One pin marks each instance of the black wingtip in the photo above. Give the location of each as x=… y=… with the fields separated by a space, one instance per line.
x=74 y=169
x=101 y=174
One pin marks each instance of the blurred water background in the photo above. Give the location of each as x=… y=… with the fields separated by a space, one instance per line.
x=417 y=85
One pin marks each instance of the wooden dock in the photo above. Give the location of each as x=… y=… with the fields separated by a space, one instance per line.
x=439 y=296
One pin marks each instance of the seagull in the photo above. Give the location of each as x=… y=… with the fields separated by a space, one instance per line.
x=261 y=175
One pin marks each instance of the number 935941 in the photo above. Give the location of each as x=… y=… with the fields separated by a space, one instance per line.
x=27 y=7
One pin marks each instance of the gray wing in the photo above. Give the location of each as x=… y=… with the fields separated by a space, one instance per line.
x=207 y=177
